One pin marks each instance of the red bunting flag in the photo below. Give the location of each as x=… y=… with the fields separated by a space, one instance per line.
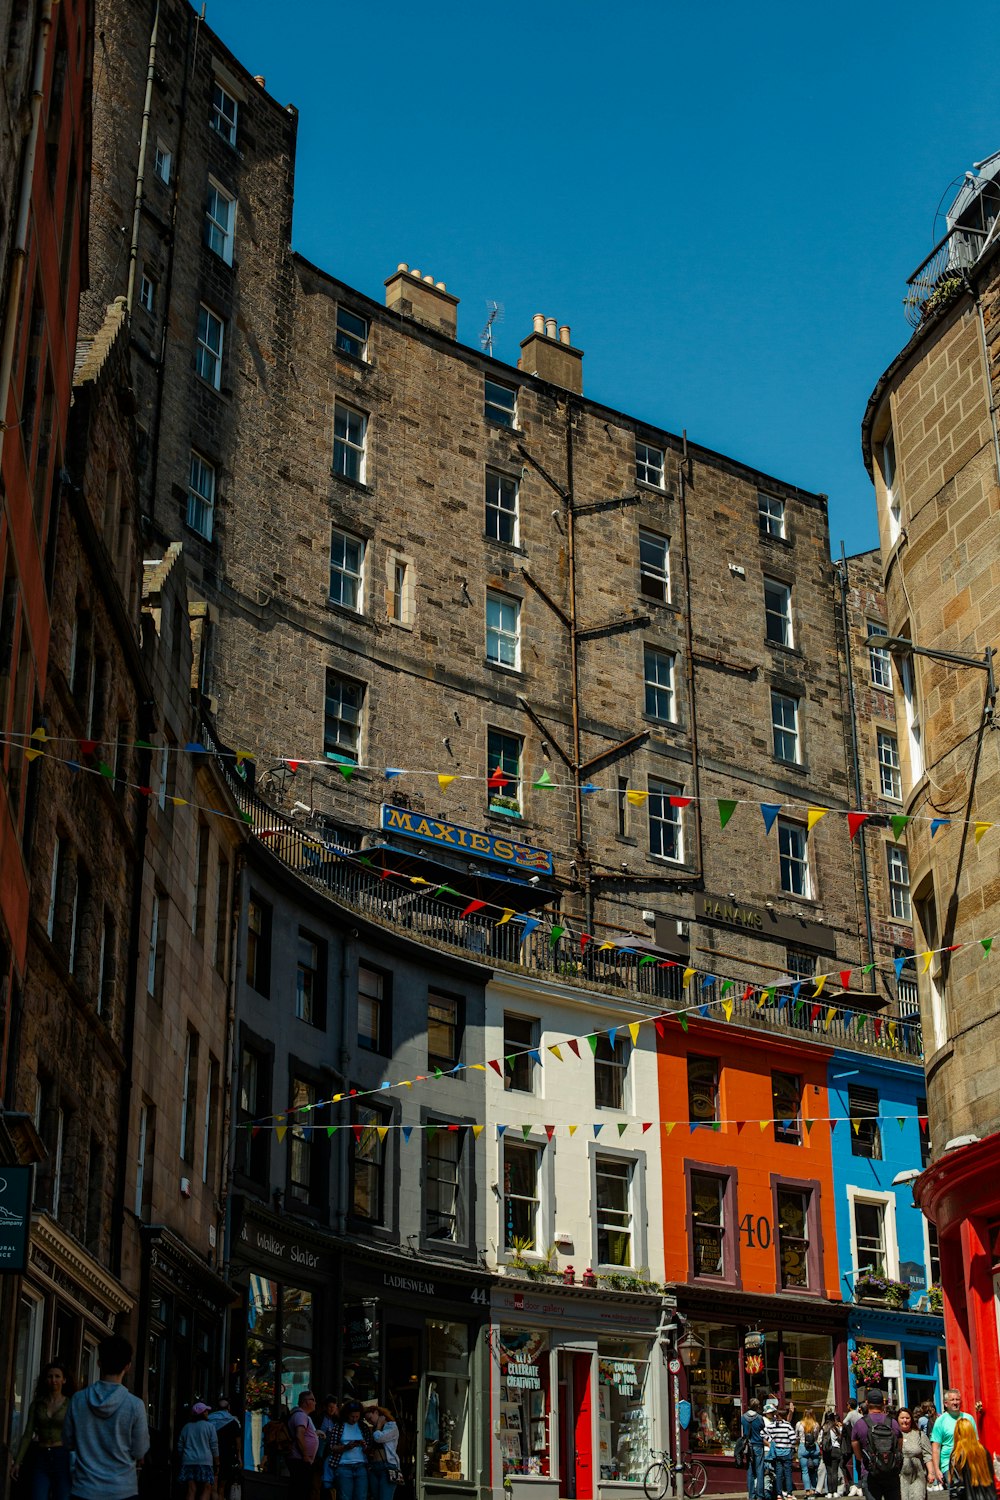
x=922 y=1122
x=646 y=1125
x=845 y=978
x=660 y=1027
x=584 y=940
x=748 y=992
x=814 y=1014
x=494 y=1064
x=498 y=780
x=88 y=746
x=574 y=1045
x=680 y=801
x=292 y=765
x=855 y=820
x=550 y=1131
x=472 y=906
x=878 y=1027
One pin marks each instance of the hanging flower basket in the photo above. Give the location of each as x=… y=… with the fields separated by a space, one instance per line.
x=866 y=1365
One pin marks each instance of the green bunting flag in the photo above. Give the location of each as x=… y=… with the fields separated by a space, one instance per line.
x=726 y=809
x=987 y=944
x=555 y=935
x=545 y=780
x=621 y=1130
x=592 y=1039
x=899 y=822
x=345 y=770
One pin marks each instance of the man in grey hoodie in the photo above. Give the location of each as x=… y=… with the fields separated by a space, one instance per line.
x=105 y=1429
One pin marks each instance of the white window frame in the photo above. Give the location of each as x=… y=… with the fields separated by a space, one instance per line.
x=654 y=571
x=887 y=1202
x=163 y=163
x=879 y=658
x=770 y=514
x=348 y=576
x=500 y=412
x=147 y=292
x=888 y=469
x=513 y=787
x=185 y=1090
x=220 y=120
x=785 y=734
x=663 y=816
x=890 y=776
x=537 y=1148
x=208 y=355
x=503 y=633
x=632 y=1165
x=102 y=958
x=898 y=871
x=793 y=851
x=911 y=716
x=930 y=935
x=350 y=451
x=154 y=936
x=201 y=501
x=654 y=662
x=350 y=336
x=140 y=1159
x=220 y=233
x=498 y=488
x=777 y=592
x=648 y=464
x=58 y=855
x=352 y=753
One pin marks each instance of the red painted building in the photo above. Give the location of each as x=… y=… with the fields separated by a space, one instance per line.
x=43 y=242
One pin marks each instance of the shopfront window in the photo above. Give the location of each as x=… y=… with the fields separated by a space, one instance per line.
x=714 y=1385
x=524 y=1401
x=808 y=1370
x=624 y=1395
x=446 y=1425
x=279 y=1337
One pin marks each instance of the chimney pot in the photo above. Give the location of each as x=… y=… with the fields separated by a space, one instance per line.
x=430 y=279
x=564 y=337
x=259 y=78
x=539 y=322
x=415 y=273
x=550 y=328
x=440 y=286
x=402 y=266
x=420 y=297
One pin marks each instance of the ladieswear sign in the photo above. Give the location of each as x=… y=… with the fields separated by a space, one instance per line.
x=414 y=825
x=15 y=1218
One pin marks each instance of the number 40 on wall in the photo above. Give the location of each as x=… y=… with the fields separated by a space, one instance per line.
x=761 y=1227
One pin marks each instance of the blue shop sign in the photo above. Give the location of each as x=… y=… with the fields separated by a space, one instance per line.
x=15 y=1218
x=504 y=851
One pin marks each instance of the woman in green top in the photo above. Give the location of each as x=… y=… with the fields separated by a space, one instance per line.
x=42 y=1436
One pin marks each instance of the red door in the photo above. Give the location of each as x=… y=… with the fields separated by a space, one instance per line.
x=584 y=1455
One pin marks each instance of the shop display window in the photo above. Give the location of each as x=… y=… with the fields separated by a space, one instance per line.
x=624 y=1417
x=808 y=1371
x=525 y=1401
x=279 y=1335
x=446 y=1416
x=714 y=1386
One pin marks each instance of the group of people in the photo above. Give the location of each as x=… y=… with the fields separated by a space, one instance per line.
x=351 y=1454
x=874 y=1451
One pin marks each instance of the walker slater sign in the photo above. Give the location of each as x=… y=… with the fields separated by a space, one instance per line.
x=15 y=1218
x=413 y=825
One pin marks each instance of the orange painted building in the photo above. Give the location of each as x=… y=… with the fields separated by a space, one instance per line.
x=750 y=1234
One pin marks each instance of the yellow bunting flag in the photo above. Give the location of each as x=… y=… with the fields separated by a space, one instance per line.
x=478 y=1067
x=508 y=912
x=39 y=735
x=407 y=1083
x=688 y=976
x=763 y=1125
x=636 y=798
x=604 y=947
x=727 y=1009
x=444 y=782
x=573 y=1129
x=242 y=755
x=892 y=1031
x=820 y=981
x=554 y=1049
x=477 y=1131
x=418 y=880
x=668 y=1126
x=178 y=801
x=829 y=1017
x=981 y=828
x=280 y=1130
x=813 y=816
x=926 y=957
x=31 y=755
x=633 y=1031
x=855 y=1125
x=383 y=1131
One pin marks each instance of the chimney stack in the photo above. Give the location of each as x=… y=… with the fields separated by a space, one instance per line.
x=419 y=296
x=548 y=353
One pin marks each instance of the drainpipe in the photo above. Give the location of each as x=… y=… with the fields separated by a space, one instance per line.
x=147 y=108
x=574 y=663
x=19 y=254
x=689 y=655
x=855 y=755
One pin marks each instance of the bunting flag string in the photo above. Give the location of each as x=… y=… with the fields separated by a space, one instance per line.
x=281 y=1126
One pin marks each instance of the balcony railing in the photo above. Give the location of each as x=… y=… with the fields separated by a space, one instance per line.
x=939 y=277
x=335 y=869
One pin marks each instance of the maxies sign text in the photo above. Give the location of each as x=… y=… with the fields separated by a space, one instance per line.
x=413 y=825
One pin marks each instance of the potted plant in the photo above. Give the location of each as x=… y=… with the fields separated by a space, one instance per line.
x=935 y=1297
x=508 y=806
x=544 y=1268
x=897 y=1294
x=869 y=1287
x=866 y=1367
x=519 y=1265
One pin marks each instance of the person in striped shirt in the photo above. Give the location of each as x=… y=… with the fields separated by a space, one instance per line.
x=779 y=1441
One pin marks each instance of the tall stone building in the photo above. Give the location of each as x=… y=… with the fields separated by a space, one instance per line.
x=930 y=442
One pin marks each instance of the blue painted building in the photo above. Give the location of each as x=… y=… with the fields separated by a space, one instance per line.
x=880 y=1233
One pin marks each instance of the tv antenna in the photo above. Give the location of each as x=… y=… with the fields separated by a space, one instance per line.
x=496 y=316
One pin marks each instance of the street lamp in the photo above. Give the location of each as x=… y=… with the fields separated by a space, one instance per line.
x=689 y=1347
x=903 y=647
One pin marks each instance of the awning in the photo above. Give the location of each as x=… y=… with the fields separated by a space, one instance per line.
x=464 y=880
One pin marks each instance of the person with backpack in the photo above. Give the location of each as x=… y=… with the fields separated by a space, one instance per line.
x=807 y=1435
x=878 y=1449
x=779 y=1435
x=751 y=1453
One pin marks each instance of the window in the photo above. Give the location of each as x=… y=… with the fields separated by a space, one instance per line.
x=863 y=1109
x=309 y=993
x=613 y=1193
x=199 y=891
x=223 y=914
x=220 y=219
x=147 y=292
x=911 y=713
x=907 y=993
x=503 y=630
x=163 y=162
x=350 y=431
x=399 y=596
x=208 y=350
x=104 y=986
x=786 y=1098
x=785 y=727
x=521 y=1164
x=156 y=962
x=665 y=832
x=223 y=116
x=888 y=467
x=649 y=464
x=708 y=1226
x=503 y=756
x=925 y=1141
x=800 y=964
x=342 y=725
x=777 y=612
x=78 y=915
x=374 y=1011
x=654 y=566
x=302 y=1188
x=890 y=781
x=879 y=660
x=253 y=1150
x=658 y=670
x=624 y=806
x=925 y=904
x=500 y=403
x=444 y=1030
x=770 y=515
x=260 y=917
x=444 y=1168
x=347 y=561
x=520 y=1034
x=145 y=1139
x=793 y=1236
x=201 y=496
x=703 y=1088
x=189 y=1097
x=899 y=883
x=367 y=1165
x=56 y=879
x=501 y=507
x=793 y=859
x=611 y=1058
x=210 y=1130
x=352 y=334
x=869 y=1237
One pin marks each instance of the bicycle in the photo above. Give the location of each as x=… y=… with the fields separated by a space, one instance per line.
x=662 y=1473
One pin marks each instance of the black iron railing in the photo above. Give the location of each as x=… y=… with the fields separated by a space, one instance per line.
x=939 y=278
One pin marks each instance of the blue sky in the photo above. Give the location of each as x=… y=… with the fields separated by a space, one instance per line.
x=723 y=201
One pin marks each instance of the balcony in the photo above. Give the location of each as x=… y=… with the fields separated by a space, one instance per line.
x=939 y=278
x=641 y=983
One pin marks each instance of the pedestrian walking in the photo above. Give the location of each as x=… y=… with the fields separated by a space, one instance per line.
x=106 y=1430
x=971 y=1469
x=384 y=1472
x=198 y=1454
x=305 y=1445
x=878 y=1450
x=779 y=1435
x=918 y=1461
x=229 y=1433
x=330 y=1419
x=752 y=1425
x=807 y=1436
x=41 y=1459
x=349 y=1445
x=851 y=1470
x=943 y=1433
x=831 y=1446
